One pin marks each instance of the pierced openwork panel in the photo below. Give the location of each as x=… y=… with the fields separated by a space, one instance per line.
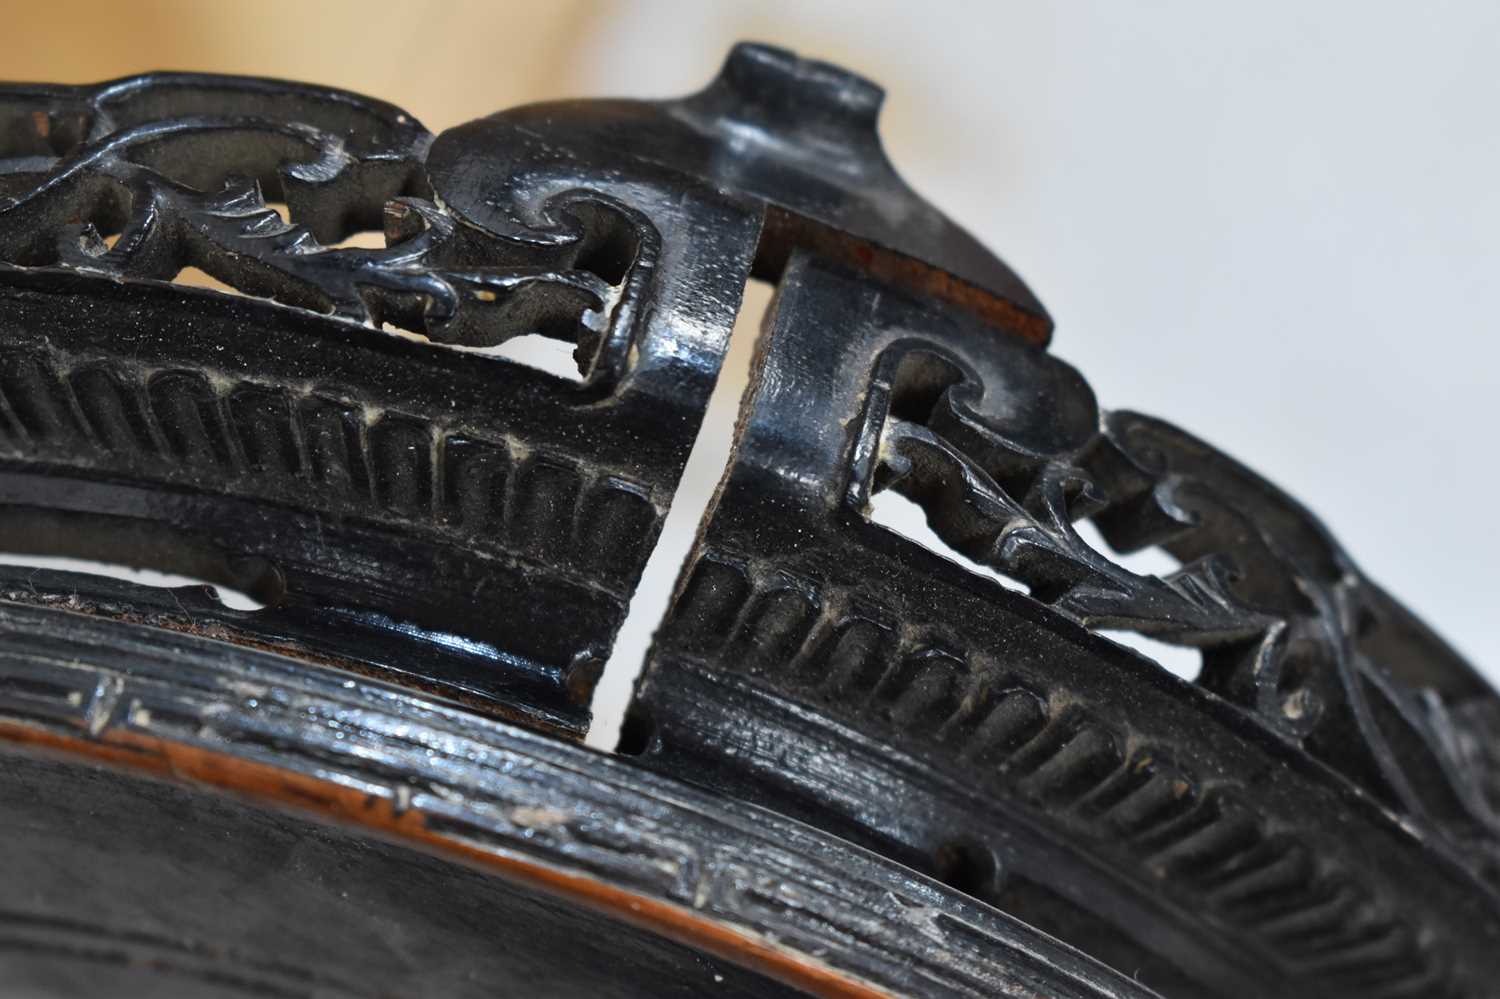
x=330 y=427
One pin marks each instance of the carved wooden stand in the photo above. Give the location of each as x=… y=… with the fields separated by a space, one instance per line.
x=852 y=767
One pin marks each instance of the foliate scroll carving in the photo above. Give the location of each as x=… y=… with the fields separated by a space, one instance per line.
x=1288 y=626
x=477 y=528
x=309 y=405
x=144 y=177
x=805 y=640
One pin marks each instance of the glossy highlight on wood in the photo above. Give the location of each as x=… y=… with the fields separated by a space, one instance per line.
x=851 y=767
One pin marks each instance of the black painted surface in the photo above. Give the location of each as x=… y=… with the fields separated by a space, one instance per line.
x=494 y=790
x=1318 y=814
x=119 y=887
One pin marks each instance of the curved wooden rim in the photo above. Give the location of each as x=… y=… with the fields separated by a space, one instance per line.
x=329 y=801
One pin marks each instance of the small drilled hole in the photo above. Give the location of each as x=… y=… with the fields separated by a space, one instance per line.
x=968 y=867
x=257 y=582
x=638 y=735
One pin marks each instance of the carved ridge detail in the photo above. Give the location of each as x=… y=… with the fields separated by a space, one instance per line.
x=273 y=441
x=845 y=655
x=473 y=783
x=1289 y=628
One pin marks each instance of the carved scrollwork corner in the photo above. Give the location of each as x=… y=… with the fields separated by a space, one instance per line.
x=144 y=177
x=1012 y=694
x=1284 y=620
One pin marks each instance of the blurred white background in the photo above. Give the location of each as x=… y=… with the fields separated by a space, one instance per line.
x=1276 y=224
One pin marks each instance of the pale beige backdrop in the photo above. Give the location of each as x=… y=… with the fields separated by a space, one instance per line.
x=1274 y=223
x=444 y=62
